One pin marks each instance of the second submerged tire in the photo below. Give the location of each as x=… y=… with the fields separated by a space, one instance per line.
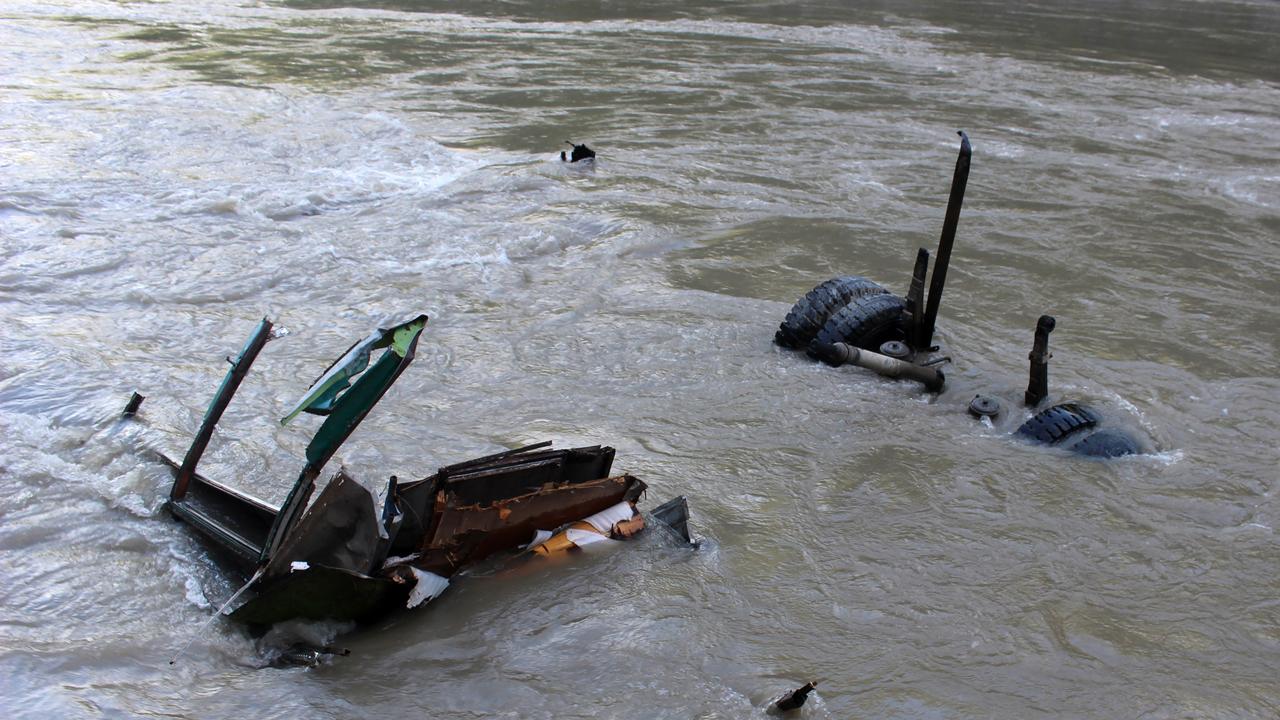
x=810 y=313
x=1107 y=443
x=867 y=323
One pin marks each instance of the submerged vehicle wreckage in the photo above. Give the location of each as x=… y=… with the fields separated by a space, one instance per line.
x=341 y=557
x=852 y=320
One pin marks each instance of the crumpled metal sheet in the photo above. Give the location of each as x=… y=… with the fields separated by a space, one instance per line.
x=492 y=478
x=340 y=531
x=322 y=593
x=466 y=533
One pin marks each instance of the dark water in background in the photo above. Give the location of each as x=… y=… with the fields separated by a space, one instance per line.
x=170 y=172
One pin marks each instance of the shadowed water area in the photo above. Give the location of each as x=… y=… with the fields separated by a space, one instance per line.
x=170 y=172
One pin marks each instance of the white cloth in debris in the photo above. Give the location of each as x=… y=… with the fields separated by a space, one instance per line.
x=539 y=537
x=607 y=518
x=428 y=587
x=583 y=538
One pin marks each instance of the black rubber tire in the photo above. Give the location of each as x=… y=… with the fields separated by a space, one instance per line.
x=1106 y=443
x=867 y=323
x=1055 y=424
x=811 y=312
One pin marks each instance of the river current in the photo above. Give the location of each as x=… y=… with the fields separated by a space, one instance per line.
x=173 y=171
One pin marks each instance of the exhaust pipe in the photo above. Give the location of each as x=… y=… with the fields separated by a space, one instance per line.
x=837 y=354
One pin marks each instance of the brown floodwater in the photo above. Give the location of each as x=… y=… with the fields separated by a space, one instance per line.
x=170 y=172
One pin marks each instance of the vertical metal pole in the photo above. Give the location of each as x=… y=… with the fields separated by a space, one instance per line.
x=958 y=182
x=915 y=300
x=1038 y=383
x=230 y=383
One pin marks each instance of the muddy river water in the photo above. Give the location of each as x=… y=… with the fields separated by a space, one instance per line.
x=172 y=171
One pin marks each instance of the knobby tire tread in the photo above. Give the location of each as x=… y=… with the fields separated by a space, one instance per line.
x=811 y=312
x=1055 y=424
x=866 y=323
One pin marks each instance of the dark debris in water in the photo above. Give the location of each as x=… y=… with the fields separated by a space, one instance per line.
x=304 y=655
x=579 y=152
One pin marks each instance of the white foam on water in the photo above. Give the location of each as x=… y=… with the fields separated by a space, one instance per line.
x=1260 y=190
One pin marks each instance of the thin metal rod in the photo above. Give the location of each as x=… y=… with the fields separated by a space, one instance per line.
x=496 y=456
x=289 y=513
x=209 y=622
x=958 y=182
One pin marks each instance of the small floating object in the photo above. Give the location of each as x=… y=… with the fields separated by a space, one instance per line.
x=304 y=655
x=579 y=152
x=134 y=402
x=794 y=699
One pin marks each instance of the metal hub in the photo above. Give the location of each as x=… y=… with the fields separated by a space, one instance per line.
x=895 y=349
x=984 y=406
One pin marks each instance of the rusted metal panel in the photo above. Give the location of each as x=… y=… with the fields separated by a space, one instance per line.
x=467 y=533
x=514 y=474
x=491 y=478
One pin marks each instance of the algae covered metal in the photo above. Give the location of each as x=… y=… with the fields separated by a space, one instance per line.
x=345 y=555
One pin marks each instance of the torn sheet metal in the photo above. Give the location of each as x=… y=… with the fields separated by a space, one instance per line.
x=321 y=593
x=427 y=586
x=323 y=395
x=674 y=515
x=340 y=530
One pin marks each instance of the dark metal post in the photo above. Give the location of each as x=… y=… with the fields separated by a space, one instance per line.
x=915 y=300
x=949 y=223
x=239 y=368
x=1038 y=384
